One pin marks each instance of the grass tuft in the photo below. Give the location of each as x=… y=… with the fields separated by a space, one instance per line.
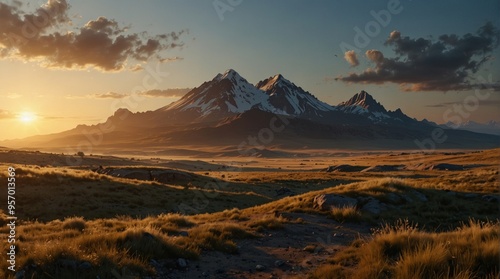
x=404 y=251
x=74 y=223
x=347 y=213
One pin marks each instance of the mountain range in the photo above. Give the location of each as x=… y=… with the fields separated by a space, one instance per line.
x=491 y=127
x=234 y=116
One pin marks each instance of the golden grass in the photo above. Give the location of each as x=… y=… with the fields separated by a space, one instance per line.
x=441 y=211
x=74 y=223
x=51 y=193
x=105 y=232
x=114 y=244
x=347 y=213
x=404 y=251
x=267 y=223
x=218 y=236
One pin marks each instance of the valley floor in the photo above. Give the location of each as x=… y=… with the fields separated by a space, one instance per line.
x=431 y=215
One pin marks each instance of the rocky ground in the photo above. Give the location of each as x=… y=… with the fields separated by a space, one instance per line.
x=293 y=251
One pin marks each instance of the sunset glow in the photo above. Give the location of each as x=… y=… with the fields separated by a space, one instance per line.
x=27 y=117
x=145 y=57
x=250 y=139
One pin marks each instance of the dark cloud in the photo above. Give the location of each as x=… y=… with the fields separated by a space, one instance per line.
x=100 y=43
x=351 y=57
x=166 y=93
x=427 y=65
x=437 y=106
x=491 y=103
x=171 y=59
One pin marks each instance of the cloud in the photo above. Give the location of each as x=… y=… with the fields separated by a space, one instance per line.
x=101 y=43
x=166 y=93
x=351 y=57
x=51 y=117
x=171 y=59
x=375 y=56
x=136 y=68
x=139 y=67
x=107 y=95
x=489 y=102
x=156 y=93
x=5 y=114
x=445 y=64
x=437 y=106
x=14 y=96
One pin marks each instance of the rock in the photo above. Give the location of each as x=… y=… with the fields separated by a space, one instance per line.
x=374 y=206
x=171 y=176
x=260 y=267
x=279 y=263
x=283 y=191
x=407 y=198
x=327 y=201
x=85 y=265
x=489 y=198
x=139 y=175
x=414 y=195
x=344 y=168
x=20 y=274
x=394 y=198
x=419 y=196
x=184 y=233
x=181 y=263
x=448 y=167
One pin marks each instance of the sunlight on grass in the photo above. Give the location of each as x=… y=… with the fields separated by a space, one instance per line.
x=404 y=251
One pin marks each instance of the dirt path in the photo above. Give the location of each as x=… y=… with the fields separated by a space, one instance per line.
x=279 y=253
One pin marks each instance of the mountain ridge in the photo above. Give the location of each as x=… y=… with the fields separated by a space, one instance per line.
x=229 y=93
x=228 y=110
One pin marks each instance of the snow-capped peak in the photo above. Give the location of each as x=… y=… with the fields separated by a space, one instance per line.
x=279 y=77
x=230 y=74
x=364 y=101
x=226 y=93
x=291 y=98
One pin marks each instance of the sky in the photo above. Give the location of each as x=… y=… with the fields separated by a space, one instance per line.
x=64 y=63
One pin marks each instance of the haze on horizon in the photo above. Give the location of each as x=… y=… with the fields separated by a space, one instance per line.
x=67 y=63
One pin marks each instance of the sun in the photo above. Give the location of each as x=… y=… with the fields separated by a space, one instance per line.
x=27 y=117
